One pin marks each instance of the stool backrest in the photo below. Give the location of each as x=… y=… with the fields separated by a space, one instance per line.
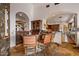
x=47 y=38
x=29 y=40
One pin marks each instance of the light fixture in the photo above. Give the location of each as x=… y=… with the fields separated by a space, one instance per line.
x=56 y=3
x=20 y=14
x=47 y=6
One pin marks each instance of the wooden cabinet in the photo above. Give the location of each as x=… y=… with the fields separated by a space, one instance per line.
x=36 y=26
x=54 y=27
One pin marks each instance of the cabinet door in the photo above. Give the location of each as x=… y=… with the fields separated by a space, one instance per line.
x=36 y=25
x=54 y=27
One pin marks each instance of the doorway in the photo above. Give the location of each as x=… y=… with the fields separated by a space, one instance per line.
x=22 y=25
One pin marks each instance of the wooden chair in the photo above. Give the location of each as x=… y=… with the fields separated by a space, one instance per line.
x=47 y=38
x=30 y=43
x=46 y=41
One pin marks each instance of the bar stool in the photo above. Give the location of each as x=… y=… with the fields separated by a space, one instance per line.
x=30 y=44
x=46 y=41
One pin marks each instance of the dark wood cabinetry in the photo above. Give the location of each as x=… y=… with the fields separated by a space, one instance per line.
x=54 y=27
x=36 y=26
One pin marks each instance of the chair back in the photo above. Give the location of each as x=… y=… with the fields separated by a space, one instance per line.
x=30 y=41
x=47 y=38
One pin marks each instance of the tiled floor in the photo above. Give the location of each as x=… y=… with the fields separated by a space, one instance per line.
x=53 y=49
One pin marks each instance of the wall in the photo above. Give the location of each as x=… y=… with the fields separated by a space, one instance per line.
x=14 y=8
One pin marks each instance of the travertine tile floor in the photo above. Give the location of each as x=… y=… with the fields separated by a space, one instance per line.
x=66 y=49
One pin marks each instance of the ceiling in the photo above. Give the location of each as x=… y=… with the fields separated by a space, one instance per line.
x=60 y=18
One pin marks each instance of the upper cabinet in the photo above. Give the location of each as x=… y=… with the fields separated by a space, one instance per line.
x=36 y=26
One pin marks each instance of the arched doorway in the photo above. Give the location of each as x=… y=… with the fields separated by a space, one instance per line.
x=22 y=25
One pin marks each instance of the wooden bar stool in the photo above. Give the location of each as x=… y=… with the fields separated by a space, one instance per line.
x=30 y=43
x=45 y=42
x=47 y=38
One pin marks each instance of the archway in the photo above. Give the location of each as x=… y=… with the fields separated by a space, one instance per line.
x=22 y=25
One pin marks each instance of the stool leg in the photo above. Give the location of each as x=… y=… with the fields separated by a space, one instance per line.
x=25 y=51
